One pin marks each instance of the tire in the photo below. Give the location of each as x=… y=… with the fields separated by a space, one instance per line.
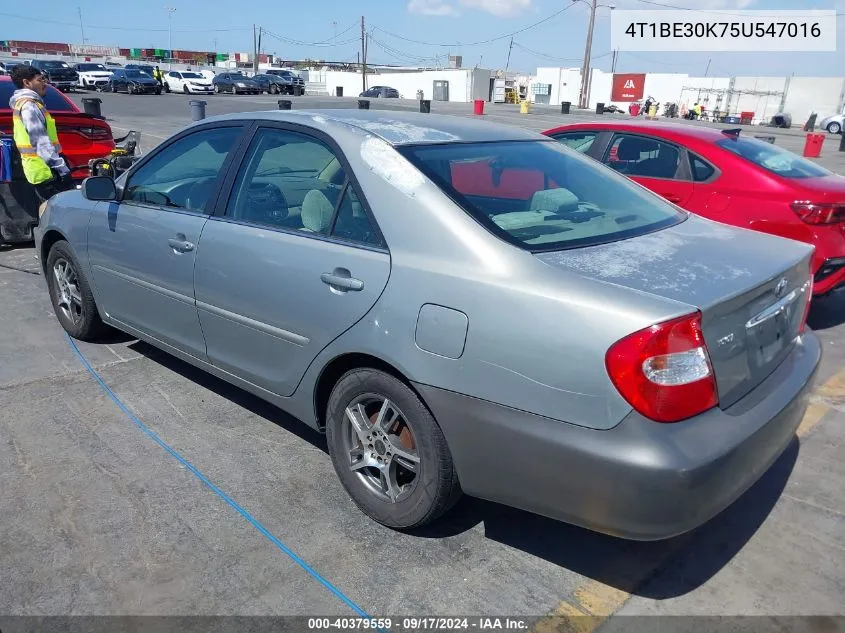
x=217 y=89
x=834 y=128
x=185 y=90
x=88 y=326
x=420 y=497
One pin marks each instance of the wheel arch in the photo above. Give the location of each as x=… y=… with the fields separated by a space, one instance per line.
x=340 y=365
x=50 y=238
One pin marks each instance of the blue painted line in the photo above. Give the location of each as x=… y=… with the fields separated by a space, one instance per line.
x=234 y=504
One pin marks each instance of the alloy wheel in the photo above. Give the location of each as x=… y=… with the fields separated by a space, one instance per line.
x=69 y=296
x=381 y=447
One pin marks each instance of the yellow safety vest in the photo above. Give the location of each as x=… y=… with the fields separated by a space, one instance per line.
x=34 y=167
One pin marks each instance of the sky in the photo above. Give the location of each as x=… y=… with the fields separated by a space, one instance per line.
x=408 y=32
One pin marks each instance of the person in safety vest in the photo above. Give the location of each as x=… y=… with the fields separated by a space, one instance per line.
x=34 y=133
x=158 y=75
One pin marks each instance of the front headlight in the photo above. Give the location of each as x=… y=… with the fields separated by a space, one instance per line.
x=240 y=84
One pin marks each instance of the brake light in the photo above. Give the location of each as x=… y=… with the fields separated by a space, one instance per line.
x=91 y=132
x=819 y=213
x=808 y=300
x=664 y=371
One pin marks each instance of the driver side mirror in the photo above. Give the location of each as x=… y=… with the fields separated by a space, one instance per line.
x=99 y=188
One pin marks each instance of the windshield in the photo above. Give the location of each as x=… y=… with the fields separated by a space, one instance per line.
x=772 y=158
x=237 y=76
x=540 y=195
x=136 y=74
x=54 y=100
x=89 y=67
x=53 y=64
x=191 y=76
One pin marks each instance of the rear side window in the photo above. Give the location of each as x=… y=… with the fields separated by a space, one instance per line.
x=772 y=158
x=539 y=196
x=54 y=100
x=701 y=170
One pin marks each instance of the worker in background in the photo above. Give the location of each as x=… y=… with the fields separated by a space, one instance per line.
x=697 y=109
x=35 y=136
x=158 y=75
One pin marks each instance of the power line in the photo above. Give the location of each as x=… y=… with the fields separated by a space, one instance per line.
x=324 y=43
x=493 y=39
x=716 y=11
x=544 y=55
x=123 y=28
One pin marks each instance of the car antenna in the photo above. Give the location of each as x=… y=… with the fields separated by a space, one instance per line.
x=734 y=131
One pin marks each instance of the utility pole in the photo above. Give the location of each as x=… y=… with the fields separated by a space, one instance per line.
x=510 y=48
x=256 y=44
x=170 y=11
x=363 y=55
x=584 y=101
x=613 y=65
x=81 y=28
x=708 y=66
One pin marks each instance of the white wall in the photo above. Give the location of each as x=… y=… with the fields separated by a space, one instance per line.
x=823 y=95
x=461 y=87
x=565 y=82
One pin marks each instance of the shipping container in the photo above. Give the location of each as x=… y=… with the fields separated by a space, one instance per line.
x=222 y=57
x=124 y=52
x=135 y=52
x=39 y=47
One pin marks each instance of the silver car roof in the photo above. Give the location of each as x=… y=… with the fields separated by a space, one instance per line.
x=395 y=127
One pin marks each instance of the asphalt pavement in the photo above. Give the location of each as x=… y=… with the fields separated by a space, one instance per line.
x=133 y=484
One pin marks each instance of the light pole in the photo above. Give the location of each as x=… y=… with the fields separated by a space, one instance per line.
x=583 y=100
x=170 y=11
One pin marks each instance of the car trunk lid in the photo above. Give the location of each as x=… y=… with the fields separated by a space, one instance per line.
x=750 y=288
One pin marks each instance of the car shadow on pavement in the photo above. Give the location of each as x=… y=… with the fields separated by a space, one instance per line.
x=236 y=395
x=827 y=312
x=658 y=569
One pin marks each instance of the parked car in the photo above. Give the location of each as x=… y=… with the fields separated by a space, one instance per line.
x=292 y=83
x=236 y=83
x=144 y=68
x=729 y=177
x=58 y=73
x=114 y=64
x=187 y=82
x=82 y=137
x=532 y=328
x=93 y=76
x=833 y=124
x=132 y=82
x=384 y=92
x=272 y=84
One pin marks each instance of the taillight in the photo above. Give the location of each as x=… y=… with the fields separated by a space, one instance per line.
x=91 y=132
x=807 y=303
x=664 y=371
x=819 y=213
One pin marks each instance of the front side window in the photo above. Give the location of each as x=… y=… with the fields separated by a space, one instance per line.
x=580 y=141
x=539 y=196
x=642 y=156
x=772 y=158
x=184 y=174
x=295 y=182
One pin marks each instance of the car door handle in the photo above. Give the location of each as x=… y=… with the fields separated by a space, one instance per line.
x=671 y=197
x=341 y=279
x=181 y=246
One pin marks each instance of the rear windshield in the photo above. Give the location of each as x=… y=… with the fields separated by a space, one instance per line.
x=54 y=100
x=773 y=158
x=540 y=195
x=53 y=65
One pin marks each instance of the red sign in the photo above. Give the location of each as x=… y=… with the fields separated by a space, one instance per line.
x=627 y=87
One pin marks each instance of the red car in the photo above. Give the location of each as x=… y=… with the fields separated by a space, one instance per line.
x=729 y=177
x=82 y=136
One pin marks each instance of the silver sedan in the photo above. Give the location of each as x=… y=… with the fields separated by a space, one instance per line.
x=833 y=123
x=460 y=307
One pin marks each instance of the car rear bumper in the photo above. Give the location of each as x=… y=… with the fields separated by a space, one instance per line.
x=640 y=480
x=18 y=212
x=829 y=276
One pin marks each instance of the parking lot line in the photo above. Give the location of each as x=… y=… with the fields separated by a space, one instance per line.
x=595 y=602
x=231 y=502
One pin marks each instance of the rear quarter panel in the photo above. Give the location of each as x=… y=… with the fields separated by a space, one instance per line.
x=536 y=336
